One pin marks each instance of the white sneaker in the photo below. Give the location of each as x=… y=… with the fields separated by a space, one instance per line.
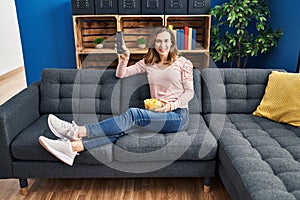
x=60 y=148
x=63 y=129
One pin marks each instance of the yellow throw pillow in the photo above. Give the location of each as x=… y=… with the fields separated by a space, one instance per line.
x=281 y=101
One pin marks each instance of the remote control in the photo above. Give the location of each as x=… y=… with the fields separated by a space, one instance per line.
x=119 y=40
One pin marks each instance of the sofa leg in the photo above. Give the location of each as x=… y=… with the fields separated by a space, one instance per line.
x=207 y=182
x=23 y=186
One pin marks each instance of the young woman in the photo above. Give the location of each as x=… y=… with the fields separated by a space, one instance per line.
x=170 y=77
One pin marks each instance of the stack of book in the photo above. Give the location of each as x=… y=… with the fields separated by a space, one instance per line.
x=185 y=38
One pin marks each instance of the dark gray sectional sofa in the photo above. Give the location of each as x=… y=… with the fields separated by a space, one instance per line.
x=255 y=158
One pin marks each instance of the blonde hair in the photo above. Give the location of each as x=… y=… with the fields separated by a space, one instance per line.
x=152 y=56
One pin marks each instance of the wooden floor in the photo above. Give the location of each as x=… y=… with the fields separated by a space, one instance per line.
x=103 y=189
x=12 y=83
x=114 y=189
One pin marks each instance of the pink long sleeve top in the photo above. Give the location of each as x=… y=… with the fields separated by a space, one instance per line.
x=173 y=84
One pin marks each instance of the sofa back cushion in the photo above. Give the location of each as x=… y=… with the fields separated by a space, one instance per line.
x=68 y=91
x=135 y=89
x=233 y=90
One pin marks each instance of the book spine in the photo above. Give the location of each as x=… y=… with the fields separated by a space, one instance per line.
x=175 y=35
x=194 y=39
x=178 y=38
x=190 y=39
x=186 y=37
x=174 y=31
x=182 y=39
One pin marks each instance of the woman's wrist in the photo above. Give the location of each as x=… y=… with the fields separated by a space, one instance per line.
x=124 y=59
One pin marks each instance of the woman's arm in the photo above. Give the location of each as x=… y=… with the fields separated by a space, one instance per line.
x=124 y=71
x=188 y=86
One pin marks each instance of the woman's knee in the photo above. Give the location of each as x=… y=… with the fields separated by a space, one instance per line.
x=139 y=116
x=132 y=112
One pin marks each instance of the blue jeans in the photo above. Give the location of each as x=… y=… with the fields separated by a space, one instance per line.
x=109 y=130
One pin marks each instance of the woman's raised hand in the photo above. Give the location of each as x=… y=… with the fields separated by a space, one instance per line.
x=126 y=53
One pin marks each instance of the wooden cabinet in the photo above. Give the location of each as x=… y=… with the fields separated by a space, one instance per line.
x=89 y=27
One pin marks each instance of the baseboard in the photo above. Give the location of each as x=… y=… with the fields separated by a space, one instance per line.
x=11 y=73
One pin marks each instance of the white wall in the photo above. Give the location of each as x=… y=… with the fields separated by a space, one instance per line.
x=11 y=55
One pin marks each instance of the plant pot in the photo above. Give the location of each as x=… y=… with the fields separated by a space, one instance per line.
x=142 y=46
x=99 y=46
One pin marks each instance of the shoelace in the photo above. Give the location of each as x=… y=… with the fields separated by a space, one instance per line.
x=71 y=128
x=64 y=139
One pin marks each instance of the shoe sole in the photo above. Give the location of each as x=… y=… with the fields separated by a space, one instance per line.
x=63 y=157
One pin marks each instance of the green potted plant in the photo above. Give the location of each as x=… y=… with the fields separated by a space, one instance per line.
x=233 y=36
x=99 y=42
x=141 y=43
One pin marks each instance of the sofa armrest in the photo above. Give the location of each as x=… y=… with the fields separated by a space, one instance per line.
x=15 y=115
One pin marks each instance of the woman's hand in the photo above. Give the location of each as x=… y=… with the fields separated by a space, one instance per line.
x=126 y=53
x=165 y=108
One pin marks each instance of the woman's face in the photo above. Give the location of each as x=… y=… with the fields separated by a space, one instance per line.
x=163 y=43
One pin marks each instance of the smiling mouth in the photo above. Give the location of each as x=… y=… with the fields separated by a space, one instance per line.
x=162 y=50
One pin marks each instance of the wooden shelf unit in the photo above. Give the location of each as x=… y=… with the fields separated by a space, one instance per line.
x=202 y=24
x=89 y=27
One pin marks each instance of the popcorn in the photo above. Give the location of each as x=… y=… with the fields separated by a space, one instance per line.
x=152 y=104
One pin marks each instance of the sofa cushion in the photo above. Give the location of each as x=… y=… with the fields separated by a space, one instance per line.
x=261 y=156
x=79 y=91
x=233 y=90
x=26 y=145
x=281 y=99
x=196 y=143
x=135 y=89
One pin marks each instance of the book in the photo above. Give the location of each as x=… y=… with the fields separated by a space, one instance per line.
x=180 y=38
x=174 y=31
x=190 y=39
x=194 y=39
x=186 y=37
